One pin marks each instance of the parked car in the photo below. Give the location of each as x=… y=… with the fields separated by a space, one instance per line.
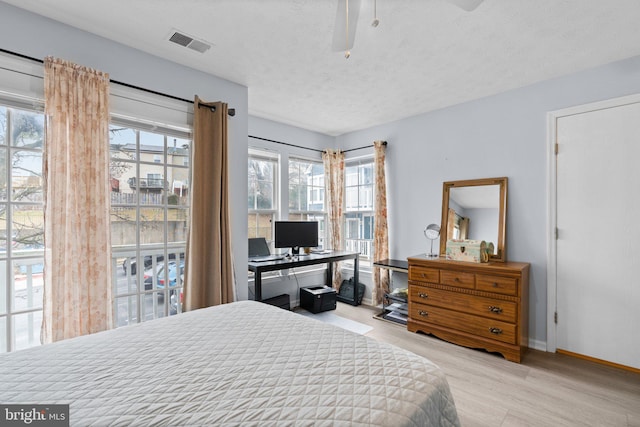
x=176 y=298
x=175 y=295
x=174 y=268
x=130 y=264
x=150 y=273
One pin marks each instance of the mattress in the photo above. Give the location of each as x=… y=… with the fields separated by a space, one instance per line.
x=244 y=363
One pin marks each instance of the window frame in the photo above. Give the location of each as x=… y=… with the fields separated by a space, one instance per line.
x=135 y=298
x=298 y=214
x=12 y=258
x=22 y=87
x=361 y=244
x=255 y=154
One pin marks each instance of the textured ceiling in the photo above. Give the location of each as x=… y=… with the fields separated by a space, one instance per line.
x=424 y=55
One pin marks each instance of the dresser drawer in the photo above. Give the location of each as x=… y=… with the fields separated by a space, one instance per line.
x=487 y=307
x=479 y=326
x=458 y=279
x=423 y=274
x=497 y=284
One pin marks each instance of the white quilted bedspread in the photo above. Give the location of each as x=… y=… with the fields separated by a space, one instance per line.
x=244 y=363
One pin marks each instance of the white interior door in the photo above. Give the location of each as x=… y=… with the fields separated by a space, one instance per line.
x=598 y=244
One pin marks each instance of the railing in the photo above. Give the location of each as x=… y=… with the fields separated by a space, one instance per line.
x=148 y=183
x=364 y=247
x=131 y=198
x=143 y=292
x=27 y=283
x=149 y=198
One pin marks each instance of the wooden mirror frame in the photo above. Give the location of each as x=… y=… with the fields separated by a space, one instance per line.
x=500 y=254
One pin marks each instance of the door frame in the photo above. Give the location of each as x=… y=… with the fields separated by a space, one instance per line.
x=552 y=212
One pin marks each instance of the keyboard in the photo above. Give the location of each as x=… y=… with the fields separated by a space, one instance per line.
x=266 y=258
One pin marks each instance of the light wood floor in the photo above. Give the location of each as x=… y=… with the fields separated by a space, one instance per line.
x=546 y=389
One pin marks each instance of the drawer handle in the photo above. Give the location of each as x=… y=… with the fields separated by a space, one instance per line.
x=423 y=295
x=494 y=284
x=495 y=309
x=423 y=313
x=496 y=331
x=456 y=279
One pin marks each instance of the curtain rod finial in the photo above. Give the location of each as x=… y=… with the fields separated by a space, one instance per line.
x=230 y=111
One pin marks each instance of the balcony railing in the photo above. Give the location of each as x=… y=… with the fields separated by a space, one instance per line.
x=131 y=198
x=147 y=286
x=364 y=247
x=150 y=184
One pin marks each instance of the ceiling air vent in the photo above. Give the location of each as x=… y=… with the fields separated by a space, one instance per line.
x=182 y=39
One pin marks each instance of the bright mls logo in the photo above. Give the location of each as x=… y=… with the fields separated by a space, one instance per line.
x=34 y=415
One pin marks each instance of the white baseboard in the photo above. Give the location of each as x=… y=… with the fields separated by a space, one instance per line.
x=537 y=344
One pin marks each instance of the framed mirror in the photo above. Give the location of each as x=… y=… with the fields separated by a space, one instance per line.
x=475 y=209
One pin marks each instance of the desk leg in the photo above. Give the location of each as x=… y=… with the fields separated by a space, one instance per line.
x=356 y=279
x=330 y=274
x=257 y=284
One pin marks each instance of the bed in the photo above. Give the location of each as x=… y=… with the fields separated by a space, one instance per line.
x=244 y=363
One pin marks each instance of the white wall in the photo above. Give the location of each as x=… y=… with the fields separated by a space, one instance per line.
x=502 y=135
x=35 y=36
x=483 y=224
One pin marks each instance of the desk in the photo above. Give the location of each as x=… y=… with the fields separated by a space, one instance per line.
x=393 y=265
x=301 y=260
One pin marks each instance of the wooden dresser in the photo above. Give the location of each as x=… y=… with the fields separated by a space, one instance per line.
x=475 y=305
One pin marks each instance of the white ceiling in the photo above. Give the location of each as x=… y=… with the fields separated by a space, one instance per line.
x=424 y=55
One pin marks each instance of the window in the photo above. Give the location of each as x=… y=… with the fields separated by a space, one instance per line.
x=262 y=194
x=359 y=212
x=306 y=194
x=149 y=221
x=149 y=182
x=21 y=227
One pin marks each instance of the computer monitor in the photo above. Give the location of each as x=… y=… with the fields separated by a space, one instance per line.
x=296 y=235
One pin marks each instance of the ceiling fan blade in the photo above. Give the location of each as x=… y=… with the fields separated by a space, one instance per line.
x=467 y=5
x=340 y=40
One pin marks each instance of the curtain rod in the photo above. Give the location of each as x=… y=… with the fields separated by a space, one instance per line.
x=360 y=148
x=231 y=111
x=286 y=143
x=311 y=149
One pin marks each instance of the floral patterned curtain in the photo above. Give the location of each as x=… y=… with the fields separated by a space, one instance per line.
x=334 y=189
x=381 y=233
x=77 y=275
